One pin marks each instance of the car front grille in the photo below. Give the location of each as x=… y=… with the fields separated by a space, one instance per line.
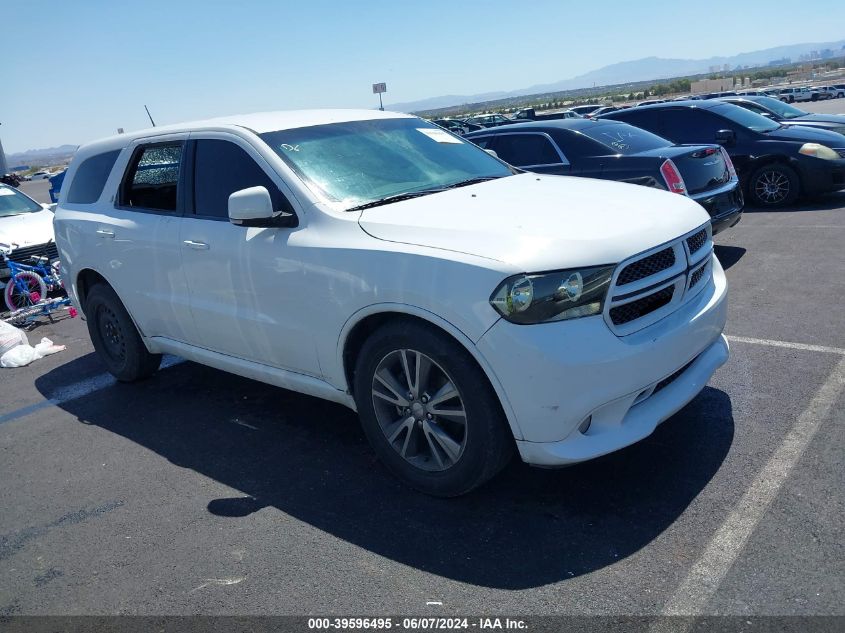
x=647 y=267
x=697 y=276
x=696 y=241
x=670 y=379
x=627 y=312
x=655 y=283
x=24 y=254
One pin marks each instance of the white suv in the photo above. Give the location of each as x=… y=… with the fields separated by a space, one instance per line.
x=462 y=307
x=791 y=95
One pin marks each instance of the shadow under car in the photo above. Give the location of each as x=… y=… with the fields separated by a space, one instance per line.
x=309 y=459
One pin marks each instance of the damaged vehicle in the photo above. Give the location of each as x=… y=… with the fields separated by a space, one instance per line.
x=467 y=310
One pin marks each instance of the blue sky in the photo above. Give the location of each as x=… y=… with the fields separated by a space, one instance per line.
x=81 y=69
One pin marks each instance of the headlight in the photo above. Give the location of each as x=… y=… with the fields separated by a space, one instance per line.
x=555 y=296
x=818 y=151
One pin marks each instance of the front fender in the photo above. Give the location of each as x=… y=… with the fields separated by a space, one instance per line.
x=437 y=321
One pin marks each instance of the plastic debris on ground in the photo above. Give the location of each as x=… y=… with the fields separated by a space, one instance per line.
x=15 y=350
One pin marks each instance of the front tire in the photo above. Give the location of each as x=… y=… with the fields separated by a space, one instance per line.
x=773 y=186
x=429 y=411
x=115 y=337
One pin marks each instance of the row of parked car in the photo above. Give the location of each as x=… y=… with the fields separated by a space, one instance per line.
x=787 y=95
x=717 y=151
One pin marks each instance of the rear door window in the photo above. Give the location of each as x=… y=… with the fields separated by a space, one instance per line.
x=646 y=119
x=220 y=169
x=527 y=150
x=483 y=142
x=152 y=180
x=691 y=125
x=90 y=178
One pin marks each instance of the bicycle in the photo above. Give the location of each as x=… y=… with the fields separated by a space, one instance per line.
x=29 y=283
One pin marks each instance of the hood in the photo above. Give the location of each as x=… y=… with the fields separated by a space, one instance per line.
x=805 y=134
x=536 y=223
x=835 y=119
x=27 y=229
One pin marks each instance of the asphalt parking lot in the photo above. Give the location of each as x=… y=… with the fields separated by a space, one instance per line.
x=201 y=492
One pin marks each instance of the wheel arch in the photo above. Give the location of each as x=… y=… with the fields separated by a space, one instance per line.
x=779 y=159
x=363 y=323
x=86 y=279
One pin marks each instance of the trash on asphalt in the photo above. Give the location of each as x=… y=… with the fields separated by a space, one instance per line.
x=10 y=337
x=24 y=354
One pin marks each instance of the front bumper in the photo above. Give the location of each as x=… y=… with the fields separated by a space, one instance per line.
x=821 y=176
x=557 y=375
x=724 y=205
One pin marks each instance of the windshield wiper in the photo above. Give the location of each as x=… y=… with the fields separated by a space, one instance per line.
x=416 y=194
x=471 y=181
x=394 y=198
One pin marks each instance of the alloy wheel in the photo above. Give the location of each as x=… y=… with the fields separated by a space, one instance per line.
x=420 y=410
x=772 y=187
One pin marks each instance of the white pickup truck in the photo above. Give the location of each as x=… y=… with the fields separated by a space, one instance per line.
x=791 y=95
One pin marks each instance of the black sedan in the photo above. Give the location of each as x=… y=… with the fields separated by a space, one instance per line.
x=457 y=126
x=775 y=163
x=788 y=114
x=616 y=151
x=489 y=120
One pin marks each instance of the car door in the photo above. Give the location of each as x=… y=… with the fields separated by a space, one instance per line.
x=532 y=151
x=692 y=125
x=136 y=235
x=245 y=283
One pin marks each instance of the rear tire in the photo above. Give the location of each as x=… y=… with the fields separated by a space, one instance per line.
x=16 y=298
x=439 y=428
x=115 y=337
x=773 y=186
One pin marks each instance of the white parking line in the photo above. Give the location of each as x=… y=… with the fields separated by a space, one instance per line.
x=76 y=390
x=802 y=346
x=705 y=576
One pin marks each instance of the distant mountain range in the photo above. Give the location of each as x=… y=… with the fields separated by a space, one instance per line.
x=648 y=68
x=49 y=156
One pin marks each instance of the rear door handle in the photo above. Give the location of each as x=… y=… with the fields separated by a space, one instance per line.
x=105 y=234
x=197 y=246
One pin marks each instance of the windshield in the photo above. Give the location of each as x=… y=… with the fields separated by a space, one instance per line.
x=13 y=202
x=746 y=118
x=783 y=110
x=622 y=138
x=361 y=162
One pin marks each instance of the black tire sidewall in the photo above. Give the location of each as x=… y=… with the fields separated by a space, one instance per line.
x=489 y=440
x=137 y=362
x=794 y=186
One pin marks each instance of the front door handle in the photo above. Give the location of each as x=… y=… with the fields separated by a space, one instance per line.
x=197 y=246
x=106 y=234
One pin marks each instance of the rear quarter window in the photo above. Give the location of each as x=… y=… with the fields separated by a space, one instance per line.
x=90 y=178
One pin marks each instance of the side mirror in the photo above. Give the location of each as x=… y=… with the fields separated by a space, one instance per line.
x=254 y=207
x=725 y=137
x=49 y=207
x=492 y=153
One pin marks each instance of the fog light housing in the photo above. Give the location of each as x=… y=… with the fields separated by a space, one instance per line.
x=585 y=425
